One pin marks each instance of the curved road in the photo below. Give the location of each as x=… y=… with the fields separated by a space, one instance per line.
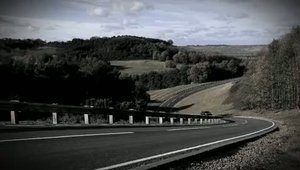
x=100 y=148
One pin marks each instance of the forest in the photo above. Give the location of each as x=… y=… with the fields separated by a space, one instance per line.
x=273 y=83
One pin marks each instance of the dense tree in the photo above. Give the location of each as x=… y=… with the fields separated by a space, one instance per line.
x=155 y=55
x=181 y=57
x=274 y=81
x=9 y=44
x=67 y=80
x=116 y=48
x=170 y=64
x=198 y=72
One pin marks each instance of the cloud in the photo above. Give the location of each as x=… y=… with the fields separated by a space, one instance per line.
x=107 y=8
x=99 y=11
x=129 y=7
x=112 y=27
x=240 y=16
x=229 y=18
x=52 y=27
x=131 y=23
x=137 y=6
x=121 y=26
x=14 y=22
x=196 y=29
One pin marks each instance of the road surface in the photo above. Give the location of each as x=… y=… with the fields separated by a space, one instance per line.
x=100 y=148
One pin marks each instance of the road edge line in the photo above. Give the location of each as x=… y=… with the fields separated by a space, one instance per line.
x=232 y=140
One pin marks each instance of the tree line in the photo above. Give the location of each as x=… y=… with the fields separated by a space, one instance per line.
x=274 y=81
x=115 y=48
x=66 y=79
x=197 y=73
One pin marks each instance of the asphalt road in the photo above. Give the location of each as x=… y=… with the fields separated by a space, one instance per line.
x=98 y=148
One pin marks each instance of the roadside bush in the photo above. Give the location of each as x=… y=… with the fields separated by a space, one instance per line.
x=68 y=118
x=170 y=64
x=98 y=119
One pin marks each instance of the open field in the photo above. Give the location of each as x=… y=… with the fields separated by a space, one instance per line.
x=239 y=51
x=136 y=67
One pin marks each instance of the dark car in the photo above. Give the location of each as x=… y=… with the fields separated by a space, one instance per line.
x=206 y=113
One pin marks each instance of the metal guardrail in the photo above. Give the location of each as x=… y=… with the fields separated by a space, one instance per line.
x=14 y=107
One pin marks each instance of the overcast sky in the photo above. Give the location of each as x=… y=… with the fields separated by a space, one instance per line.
x=183 y=21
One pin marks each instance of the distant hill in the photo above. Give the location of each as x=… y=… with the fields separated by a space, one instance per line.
x=239 y=51
x=116 y=48
x=104 y=48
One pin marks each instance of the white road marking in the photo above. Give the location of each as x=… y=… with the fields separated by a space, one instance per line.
x=184 y=150
x=187 y=128
x=65 y=136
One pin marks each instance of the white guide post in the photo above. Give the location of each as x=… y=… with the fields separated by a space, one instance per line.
x=54 y=118
x=171 y=120
x=110 y=119
x=13 y=118
x=181 y=121
x=160 y=120
x=130 y=119
x=86 y=119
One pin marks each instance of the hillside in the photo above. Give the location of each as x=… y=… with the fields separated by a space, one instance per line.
x=104 y=48
x=212 y=99
x=239 y=51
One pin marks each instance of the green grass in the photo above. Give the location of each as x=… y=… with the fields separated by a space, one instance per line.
x=137 y=67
